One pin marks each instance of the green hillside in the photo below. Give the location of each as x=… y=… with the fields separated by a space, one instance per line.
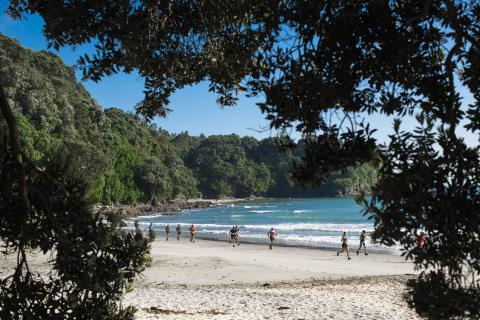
x=122 y=158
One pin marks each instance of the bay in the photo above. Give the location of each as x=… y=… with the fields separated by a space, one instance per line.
x=317 y=222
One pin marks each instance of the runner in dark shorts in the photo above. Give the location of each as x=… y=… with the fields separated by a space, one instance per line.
x=234 y=233
x=344 y=245
x=272 y=235
x=363 y=237
x=179 y=231
x=167 y=230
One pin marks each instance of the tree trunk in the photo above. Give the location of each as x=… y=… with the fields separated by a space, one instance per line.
x=14 y=142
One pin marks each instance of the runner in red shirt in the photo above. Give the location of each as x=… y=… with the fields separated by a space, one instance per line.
x=421 y=240
x=192 y=233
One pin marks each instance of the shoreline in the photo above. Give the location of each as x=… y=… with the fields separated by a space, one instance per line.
x=316 y=224
x=176 y=206
x=170 y=207
x=375 y=250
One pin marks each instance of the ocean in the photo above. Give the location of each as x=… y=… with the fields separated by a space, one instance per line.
x=317 y=223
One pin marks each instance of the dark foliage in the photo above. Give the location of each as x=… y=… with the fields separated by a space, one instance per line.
x=462 y=303
x=430 y=183
x=45 y=209
x=93 y=261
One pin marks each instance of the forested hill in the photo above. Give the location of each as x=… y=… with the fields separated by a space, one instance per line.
x=124 y=159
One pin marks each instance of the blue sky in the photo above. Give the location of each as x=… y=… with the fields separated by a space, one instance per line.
x=194 y=108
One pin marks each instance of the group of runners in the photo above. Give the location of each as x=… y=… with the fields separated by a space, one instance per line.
x=272 y=235
x=178 y=229
x=344 y=240
x=234 y=234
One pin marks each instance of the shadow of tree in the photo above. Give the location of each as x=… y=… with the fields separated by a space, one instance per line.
x=434 y=298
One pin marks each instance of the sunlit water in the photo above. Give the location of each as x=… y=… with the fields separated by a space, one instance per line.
x=298 y=222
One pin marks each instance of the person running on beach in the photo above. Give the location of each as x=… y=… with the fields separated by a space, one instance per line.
x=272 y=235
x=344 y=245
x=234 y=233
x=167 y=230
x=192 y=230
x=237 y=234
x=179 y=231
x=363 y=236
x=421 y=241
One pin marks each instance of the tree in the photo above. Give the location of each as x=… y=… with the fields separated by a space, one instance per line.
x=153 y=177
x=94 y=262
x=359 y=180
x=223 y=168
x=319 y=65
x=45 y=206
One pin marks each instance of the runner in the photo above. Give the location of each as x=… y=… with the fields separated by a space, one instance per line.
x=179 y=231
x=237 y=234
x=272 y=235
x=234 y=233
x=421 y=241
x=344 y=245
x=363 y=236
x=167 y=230
x=192 y=230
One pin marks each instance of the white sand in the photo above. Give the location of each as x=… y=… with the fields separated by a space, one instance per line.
x=212 y=280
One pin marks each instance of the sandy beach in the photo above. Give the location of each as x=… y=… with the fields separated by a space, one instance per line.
x=212 y=280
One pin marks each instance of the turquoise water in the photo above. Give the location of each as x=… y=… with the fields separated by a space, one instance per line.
x=302 y=222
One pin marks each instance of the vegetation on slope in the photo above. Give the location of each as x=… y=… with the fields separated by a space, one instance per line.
x=123 y=158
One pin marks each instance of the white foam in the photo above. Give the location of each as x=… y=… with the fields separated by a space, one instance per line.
x=264 y=211
x=257 y=233
x=329 y=227
x=149 y=216
x=253 y=207
x=303 y=211
x=305 y=241
x=325 y=227
x=215 y=231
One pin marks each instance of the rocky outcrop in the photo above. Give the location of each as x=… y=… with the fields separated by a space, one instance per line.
x=165 y=207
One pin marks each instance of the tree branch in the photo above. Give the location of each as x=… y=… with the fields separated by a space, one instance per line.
x=14 y=142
